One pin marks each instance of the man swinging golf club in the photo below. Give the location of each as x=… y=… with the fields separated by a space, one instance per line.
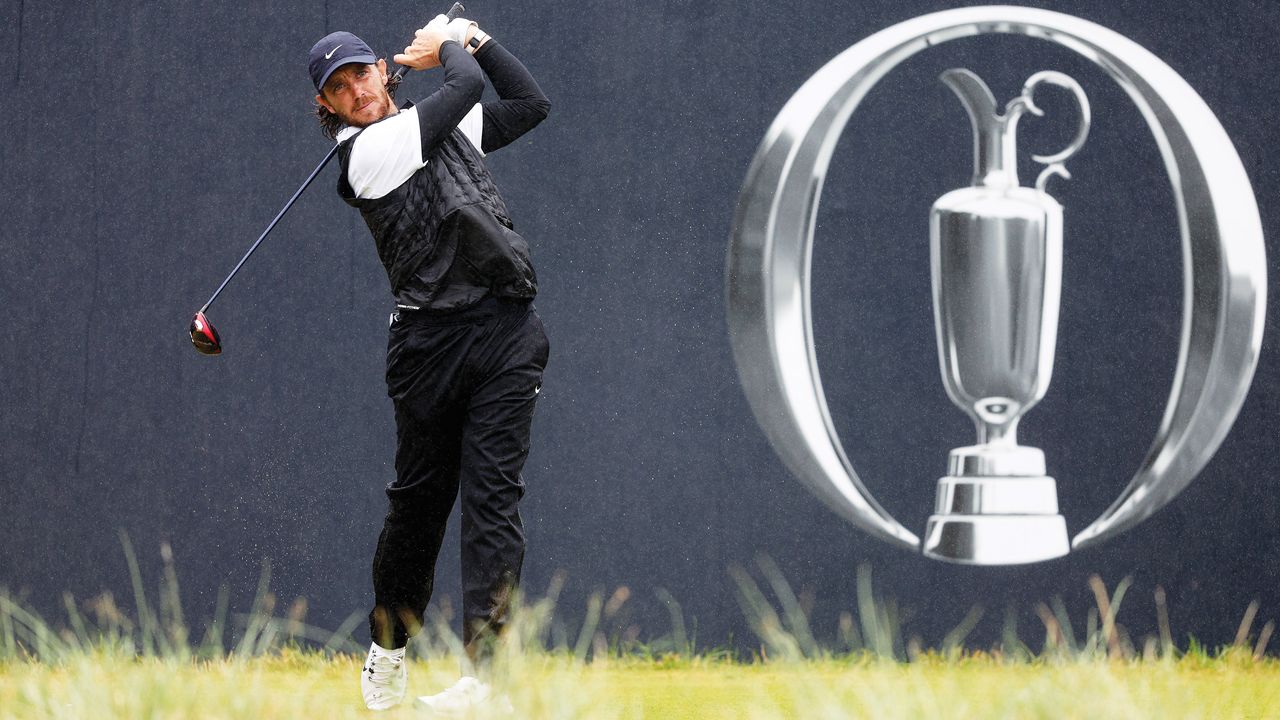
x=466 y=349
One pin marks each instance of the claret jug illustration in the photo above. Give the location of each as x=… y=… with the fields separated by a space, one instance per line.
x=996 y=257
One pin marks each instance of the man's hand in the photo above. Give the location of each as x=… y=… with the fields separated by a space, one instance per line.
x=424 y=52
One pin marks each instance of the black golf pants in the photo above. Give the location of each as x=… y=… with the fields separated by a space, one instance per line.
x=464 y=386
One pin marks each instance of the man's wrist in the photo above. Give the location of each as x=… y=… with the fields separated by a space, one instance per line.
x=441 y=51
x=477 y=41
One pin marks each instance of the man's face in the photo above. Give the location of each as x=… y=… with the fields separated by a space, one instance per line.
x=357 y=93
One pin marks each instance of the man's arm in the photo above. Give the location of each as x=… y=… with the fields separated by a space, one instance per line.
x=521 y=104
x=441 y=111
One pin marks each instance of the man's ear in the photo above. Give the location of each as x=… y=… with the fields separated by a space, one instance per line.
x=382 y=68
x=321 y=101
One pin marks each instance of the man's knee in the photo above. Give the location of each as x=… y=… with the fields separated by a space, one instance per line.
x=429 y=499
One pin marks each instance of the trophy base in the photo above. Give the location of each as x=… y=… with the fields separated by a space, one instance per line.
x=996 y=521
x=996 y=539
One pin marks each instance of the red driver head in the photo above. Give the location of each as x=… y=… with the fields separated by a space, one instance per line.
x=204 y=336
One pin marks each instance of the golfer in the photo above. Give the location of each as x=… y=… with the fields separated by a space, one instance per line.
x=466 y=349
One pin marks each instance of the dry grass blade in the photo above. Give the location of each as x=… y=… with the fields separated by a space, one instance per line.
x=763 y=618
x=953 y=642
x=1260 y=650
x=680 y=642
x=877 y=622
x=1246 y=622
x=1053 y=637
x=1108 y=608
x=1162 y=618
x=594 y=606
x=797 y=622
x=1064 y=623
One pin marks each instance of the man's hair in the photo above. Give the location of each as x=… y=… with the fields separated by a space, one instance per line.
x=331 y=124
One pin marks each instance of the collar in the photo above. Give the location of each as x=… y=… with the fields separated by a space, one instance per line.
x=348 y=132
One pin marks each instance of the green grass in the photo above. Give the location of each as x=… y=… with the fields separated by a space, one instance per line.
x=312 y=685
x=146 y=662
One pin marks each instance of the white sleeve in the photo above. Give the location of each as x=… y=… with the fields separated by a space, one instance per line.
x=473 y=126
x=385 y=155
x=390 y=151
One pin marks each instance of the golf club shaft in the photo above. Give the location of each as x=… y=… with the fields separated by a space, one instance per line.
x=329 y=156
x=454 y=12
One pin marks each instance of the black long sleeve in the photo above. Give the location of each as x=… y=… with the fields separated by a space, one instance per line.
x=443 y=109
x=521 y=104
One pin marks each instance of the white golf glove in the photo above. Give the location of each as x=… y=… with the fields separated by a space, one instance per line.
x=467 y=34
x=459 y=28
x=439 y=21
x=424 y=52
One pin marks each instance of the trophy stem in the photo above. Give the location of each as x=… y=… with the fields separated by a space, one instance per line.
x=1005 y=434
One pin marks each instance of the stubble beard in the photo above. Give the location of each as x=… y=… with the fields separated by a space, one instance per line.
x=384 y=103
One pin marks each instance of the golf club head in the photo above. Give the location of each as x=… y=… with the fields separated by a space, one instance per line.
x=204 y=336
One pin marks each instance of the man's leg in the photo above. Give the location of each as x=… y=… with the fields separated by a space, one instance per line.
x=424 y=378
x=495 y=444
x=421 y=500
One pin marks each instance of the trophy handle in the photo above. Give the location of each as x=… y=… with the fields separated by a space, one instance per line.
x=1224 y=296
x=1027 y=101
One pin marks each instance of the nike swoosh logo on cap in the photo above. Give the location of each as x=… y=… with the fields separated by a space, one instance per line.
x=331 y=52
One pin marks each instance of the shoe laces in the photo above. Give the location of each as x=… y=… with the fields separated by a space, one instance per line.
x=382 y=669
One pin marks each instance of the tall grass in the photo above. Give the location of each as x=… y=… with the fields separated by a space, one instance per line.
x=158 y=629
x=103 y=660
x=873 y=629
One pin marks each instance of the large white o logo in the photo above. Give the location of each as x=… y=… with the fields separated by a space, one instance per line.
x=1224 y=295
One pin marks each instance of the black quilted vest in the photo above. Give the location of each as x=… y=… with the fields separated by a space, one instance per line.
x=406 y=223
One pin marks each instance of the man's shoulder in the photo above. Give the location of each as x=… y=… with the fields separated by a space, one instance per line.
x=380 y=157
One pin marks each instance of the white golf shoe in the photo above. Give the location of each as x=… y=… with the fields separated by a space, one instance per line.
x=383 y=678
x=466 y=694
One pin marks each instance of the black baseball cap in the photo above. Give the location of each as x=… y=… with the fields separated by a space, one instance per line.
x=335 y=50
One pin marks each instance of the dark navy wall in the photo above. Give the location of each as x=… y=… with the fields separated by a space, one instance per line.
x=145 y=145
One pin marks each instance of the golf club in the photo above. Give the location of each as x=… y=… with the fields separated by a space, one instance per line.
x=204 y=336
